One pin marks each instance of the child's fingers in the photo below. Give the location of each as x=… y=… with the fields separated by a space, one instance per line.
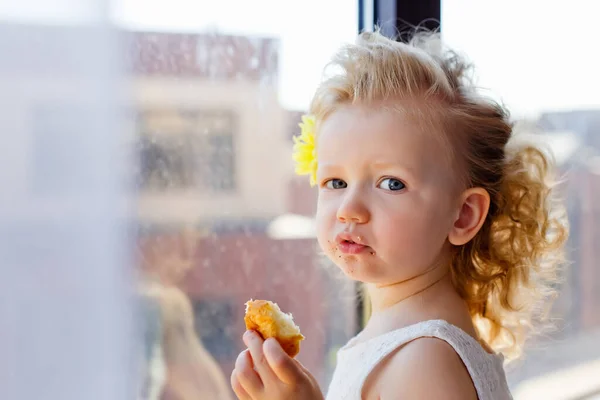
x=246 y=375
x=237 y=387
x=301 y=367
x=284 y=367
x=255 y=344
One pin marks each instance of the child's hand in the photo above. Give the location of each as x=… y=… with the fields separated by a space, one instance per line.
x=266 y=372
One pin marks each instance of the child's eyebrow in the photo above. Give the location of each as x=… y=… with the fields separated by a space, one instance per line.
x=376 y=165
x=382 y=165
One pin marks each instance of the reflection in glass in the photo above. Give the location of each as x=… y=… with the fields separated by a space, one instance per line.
x=176 y=365
x=214 y=160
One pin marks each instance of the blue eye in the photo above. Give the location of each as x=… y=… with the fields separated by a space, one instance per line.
x=391 y=184
x=336 y=184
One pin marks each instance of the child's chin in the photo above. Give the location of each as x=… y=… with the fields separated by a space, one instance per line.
x=356 y=270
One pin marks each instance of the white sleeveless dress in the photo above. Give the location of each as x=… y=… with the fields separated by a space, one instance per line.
x=355 y=361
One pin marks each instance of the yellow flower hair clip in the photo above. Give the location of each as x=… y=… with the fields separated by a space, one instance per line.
x=305 y=151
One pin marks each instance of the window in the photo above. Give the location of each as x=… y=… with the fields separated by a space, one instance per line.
x=215 y=111
x=187 y=150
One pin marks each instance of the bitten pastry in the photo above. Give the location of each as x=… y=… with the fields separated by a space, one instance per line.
x=266 y=318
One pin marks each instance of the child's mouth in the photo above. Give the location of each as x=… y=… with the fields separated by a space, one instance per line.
x=350 y=247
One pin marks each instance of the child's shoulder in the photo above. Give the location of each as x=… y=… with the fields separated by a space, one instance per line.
x=423 y=368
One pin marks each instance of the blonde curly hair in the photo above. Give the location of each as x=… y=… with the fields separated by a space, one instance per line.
x=508 y=272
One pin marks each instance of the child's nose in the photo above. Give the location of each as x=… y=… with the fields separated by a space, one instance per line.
x=353 y=209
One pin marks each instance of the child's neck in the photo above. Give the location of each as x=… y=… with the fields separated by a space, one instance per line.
x=430 y=296
x=383 y=297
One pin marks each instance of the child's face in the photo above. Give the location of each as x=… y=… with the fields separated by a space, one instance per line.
x=384 y=184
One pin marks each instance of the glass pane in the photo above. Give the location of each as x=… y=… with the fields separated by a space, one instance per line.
x=537 y=56
x=65 y=318
x=218 y=89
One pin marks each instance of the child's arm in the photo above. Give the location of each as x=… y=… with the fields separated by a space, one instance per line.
x=426 y=368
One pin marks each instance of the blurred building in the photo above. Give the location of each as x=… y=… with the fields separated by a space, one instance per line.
x=212 y=130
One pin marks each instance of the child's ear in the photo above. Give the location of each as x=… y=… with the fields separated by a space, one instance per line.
x=471 y=216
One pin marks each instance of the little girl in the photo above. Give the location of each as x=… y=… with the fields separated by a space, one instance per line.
x=452 y=231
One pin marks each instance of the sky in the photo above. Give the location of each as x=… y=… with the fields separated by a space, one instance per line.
x=539 y=55
x=534 y=55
